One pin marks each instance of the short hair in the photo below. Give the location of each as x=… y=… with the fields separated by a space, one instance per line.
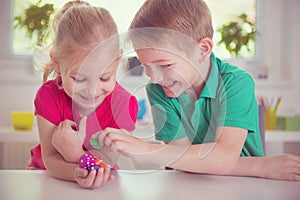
x=189 y=17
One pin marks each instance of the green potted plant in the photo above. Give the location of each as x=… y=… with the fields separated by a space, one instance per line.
x=36 y=21
x=237 y=34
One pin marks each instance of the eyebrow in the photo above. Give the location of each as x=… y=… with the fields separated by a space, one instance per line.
x=78 y=74
x=106 y=73
x=158 y=61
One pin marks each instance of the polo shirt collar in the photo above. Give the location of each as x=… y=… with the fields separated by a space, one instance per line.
x=210 y=88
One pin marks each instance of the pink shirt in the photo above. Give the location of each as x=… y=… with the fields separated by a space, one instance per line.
x=118 y=110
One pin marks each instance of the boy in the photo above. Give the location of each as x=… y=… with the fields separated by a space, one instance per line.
x=203 y=109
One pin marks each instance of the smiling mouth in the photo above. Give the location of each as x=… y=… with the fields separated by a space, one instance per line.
x=90 y=99
x=168 y=85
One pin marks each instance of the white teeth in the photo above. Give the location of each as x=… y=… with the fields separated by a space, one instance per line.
x=168 y=84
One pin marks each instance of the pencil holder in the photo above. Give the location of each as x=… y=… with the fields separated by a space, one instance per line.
x=270 y=119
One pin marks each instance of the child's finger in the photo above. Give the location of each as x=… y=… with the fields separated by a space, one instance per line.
x=115 y=146
x=118 y=136
x=99 y=137
x=89 y=181
x=107 y=171
x=82 y=128
x=96 y=135
x=99 y=179
x=120 y=147
x=66 y=125
x=111 y=177
x=80 y=173
x=103 y=135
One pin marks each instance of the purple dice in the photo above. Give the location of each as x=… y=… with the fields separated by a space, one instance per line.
x=87 y=161
x=91 y=162
x=95 y=167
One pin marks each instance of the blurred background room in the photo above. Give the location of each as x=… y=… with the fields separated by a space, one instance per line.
x=260 y=36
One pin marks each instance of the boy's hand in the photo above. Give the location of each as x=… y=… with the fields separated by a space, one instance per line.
x=67 y=141
x=282 y=167
x=94 y=179
x=120 y=140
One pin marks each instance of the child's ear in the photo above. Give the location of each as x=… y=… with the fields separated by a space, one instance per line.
x=55 y=62
x=206 y=46
x=120 y=54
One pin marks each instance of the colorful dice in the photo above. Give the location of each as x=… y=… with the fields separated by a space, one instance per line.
x=95 y=143
x=90 y=162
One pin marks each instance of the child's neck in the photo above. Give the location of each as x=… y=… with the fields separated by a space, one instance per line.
x=195 y=92
x=84 y=112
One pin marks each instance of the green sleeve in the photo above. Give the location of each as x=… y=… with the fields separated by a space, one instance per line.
x=238 y=103
x=239 y=106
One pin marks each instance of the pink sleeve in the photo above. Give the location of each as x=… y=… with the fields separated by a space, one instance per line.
x=47 y=104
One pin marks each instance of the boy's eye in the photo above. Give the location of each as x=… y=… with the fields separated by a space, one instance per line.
x=165 y=66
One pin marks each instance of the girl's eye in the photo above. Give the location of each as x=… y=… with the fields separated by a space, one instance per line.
x=105 y=78
x=78 y=80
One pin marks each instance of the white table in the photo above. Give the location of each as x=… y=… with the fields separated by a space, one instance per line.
x=156 y=185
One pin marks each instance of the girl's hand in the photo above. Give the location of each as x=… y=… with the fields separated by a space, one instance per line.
x=93 y=179
x=67 y=141
x=282 y=167
x=120 y=140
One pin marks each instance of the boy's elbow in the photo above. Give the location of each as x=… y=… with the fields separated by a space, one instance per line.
x=227 y=168
x=228 y=164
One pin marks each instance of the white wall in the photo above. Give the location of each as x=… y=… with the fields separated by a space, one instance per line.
x=280 y=41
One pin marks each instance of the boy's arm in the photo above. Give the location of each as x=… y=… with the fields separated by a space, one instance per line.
x=279 y=167
x=214 y=158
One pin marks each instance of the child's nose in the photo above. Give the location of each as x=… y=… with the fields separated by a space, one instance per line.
x=156 y=76
x=92 y=87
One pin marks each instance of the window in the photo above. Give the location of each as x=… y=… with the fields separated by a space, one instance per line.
x=36 y=18
x=224 y=13
x=124 y=12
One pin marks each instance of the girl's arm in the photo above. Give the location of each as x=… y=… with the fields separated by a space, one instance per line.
x=58 y=167
x=53 y=160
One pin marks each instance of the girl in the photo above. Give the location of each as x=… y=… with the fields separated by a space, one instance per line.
x=83 y=98
x=204 y=109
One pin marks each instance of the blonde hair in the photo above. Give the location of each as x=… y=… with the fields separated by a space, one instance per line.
x=191 y=18
x=78 y=27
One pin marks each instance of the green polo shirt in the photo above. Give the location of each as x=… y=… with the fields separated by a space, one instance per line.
x=228 y=99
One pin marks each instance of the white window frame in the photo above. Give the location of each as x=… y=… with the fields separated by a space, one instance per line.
x=267 y=11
